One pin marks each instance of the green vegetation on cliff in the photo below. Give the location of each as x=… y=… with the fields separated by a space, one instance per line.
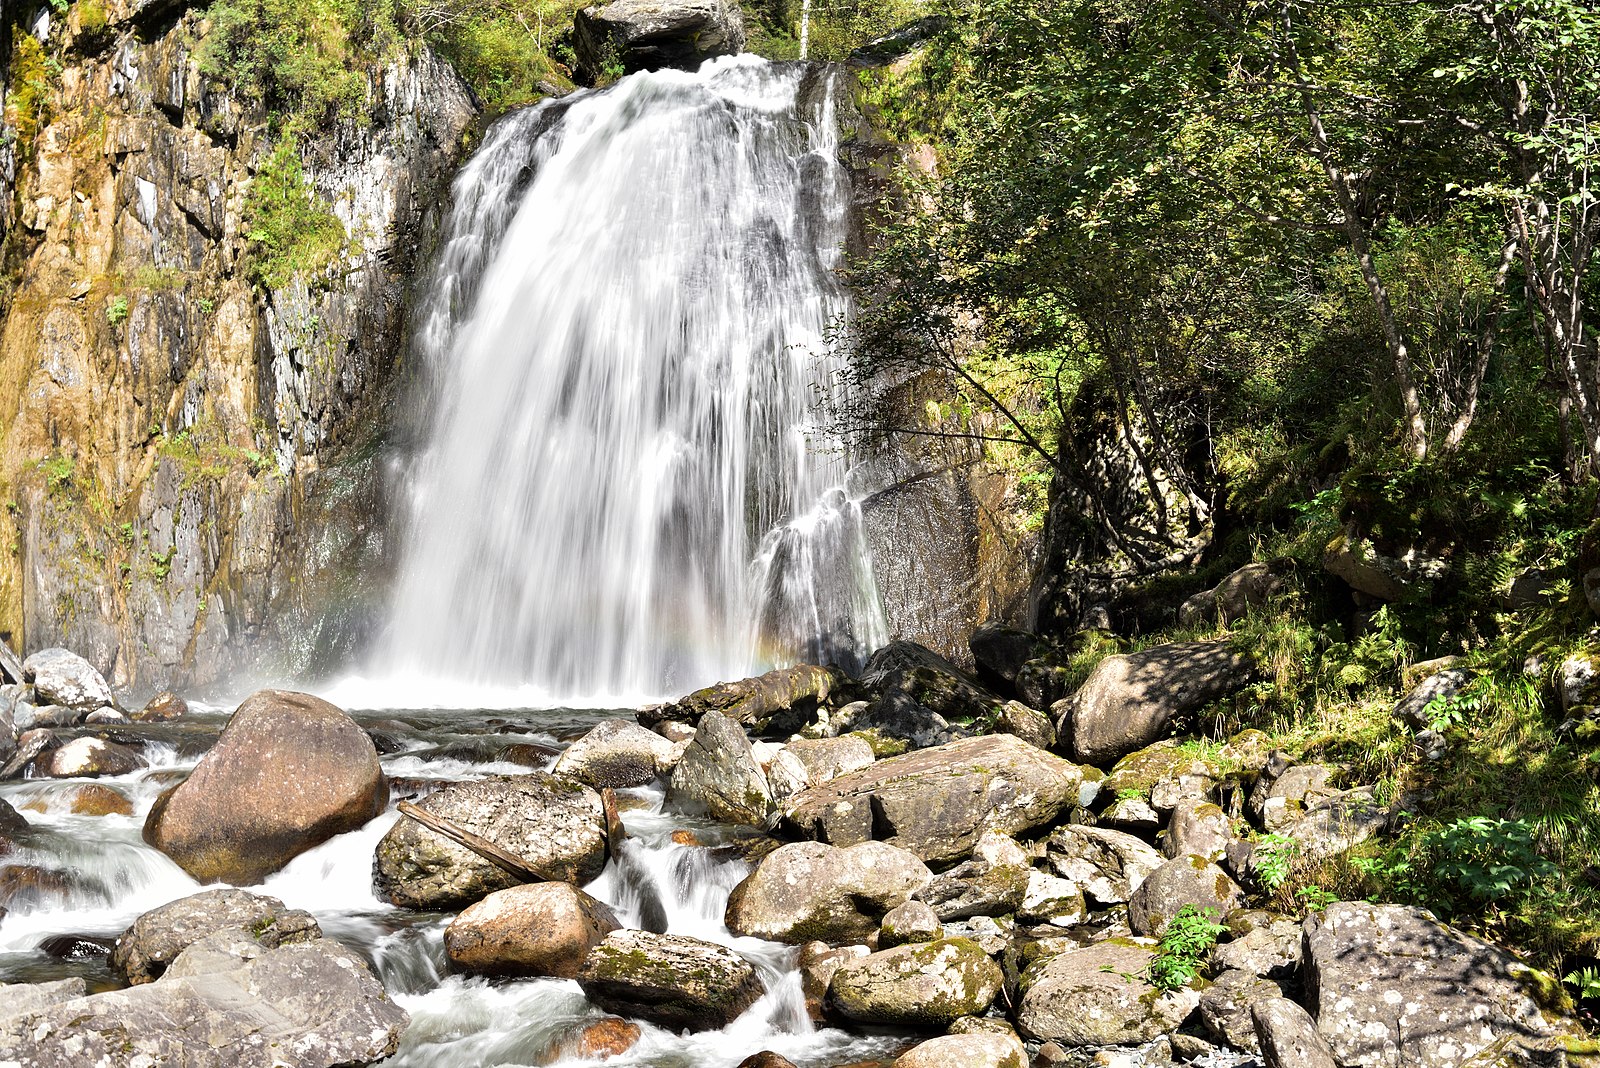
x=1307 y=285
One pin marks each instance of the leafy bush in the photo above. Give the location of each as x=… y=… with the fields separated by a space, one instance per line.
x=1187 y=940
x=289 y=227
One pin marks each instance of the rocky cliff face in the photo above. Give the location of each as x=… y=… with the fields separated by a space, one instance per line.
x=187 y=461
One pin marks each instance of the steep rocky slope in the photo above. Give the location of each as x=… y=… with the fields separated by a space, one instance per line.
x=188 y=460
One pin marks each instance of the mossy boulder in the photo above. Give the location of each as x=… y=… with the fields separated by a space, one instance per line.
x=808 y=891
x=928 y=985
x=146 y=949
x=720 y=775
x=677 y=982
x=616 y=753
x=1187 y=880
x=782 y=701
x=1097 y=996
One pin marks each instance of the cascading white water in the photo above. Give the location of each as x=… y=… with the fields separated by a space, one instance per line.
x=625 y=493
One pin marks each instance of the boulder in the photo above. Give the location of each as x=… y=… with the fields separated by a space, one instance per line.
x=145 y=950
x=980 y=1050
x=818 y=961
x=1231 y=598
x=992 y=883
x=1132 y=699
x=1198 y=827
x=88 y=758
x=1164 y=774
x=1000 y=651
x=634 y=35
x=1051 y=899
x=1383 y=576
x=1188 y=880
x=1029 y=724
x=1284 y=791
x=1095 y=996
x=1337 y=824
x=1132 y=814
x=553 y=823
x=1264 y=944
x=311 y=1005
x=535 y=929
x=766 y=1059
x=924 y=985
x=1390 y=984
x=720 y=775
x=1412 y=709
x=807 y=762
x=17 y=999
x=288 y=772
x=808 y=891
x=781 y=701
x=11 y=821
x=1225 y=1007
x=1287 y=1036
x=93 y=799
x=161 y=708
x=1109 y=865
x=896 y=714
x=616 y=753
x=929 y=680
x=937 y=802
x=599 y=1040
x=676 y=982
x=61 y=677
x=909 y=923
x=106 y=717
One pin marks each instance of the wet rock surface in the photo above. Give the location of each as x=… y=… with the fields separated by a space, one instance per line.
x=670 y=980
x=145 y=950
x=809 y=891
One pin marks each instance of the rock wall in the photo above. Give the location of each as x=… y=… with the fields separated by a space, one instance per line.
x=189 y=464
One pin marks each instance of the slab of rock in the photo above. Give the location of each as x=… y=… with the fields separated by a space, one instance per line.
x=928 y=680
x=1287 y=1036
x=288 y=772
x=1225 y=1007
x=679 y=983
x=61 y=677
x=88 y=758
x=1132 y=699
x=19 y=998
x=1109 y=865
x=1390 y=984
x=554 y=823
x=536 y=929
x=1188 y=880
x=145 y=950
x=809 y=891
x=720 y=775
x=807 y=762
x=937 y=802
x=1051 y=899
x=782 y=700
x=993 y=882
x=616 y=753
x=1094 y=996
x=897 y=715
x=310 y=1005
x=980 y=1050
x=925 y=985
x=1264 y=944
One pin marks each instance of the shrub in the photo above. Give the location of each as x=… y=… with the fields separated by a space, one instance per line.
x=1185 y=943
x=290 y=228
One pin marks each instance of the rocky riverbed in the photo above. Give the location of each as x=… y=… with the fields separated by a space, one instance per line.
x=806 y=868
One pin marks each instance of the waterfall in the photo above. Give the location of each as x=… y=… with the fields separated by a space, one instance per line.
x=625 y=491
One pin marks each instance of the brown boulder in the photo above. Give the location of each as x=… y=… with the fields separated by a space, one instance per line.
x=536 y=929
x=288 y=773
x=164 y=706
x=83 y=757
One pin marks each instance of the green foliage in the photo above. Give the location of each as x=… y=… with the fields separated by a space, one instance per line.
x=290 y=229
x=503 y=48
x=1273 y=860
x=58 y=472
x=1185 y=943
x=117 y=311
x=839 y=27
x=1585 y=982
x=33 y=76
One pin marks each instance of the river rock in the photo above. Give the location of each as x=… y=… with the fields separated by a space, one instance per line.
x=1188 y=880
x=1029 y=724
x=807 y=762
x=616 y=753
x=144 y=951
x=905 y=924
x=1264 y=944
x=1094 y=996
x=897 y=715
x=980 y=1050
x=1287 y=1036
x=535 y=929
x=638 y=35
x=818 y=961
x=554 y=823
x=1225 y=1007
x=163 y=707
x=808 y=891
x=929 y=680
x=310 y=1005
x=88 y=757
x=781 y=701
x=1051 y=899
x=993 y=882
x=937 y=802
x=719 y=774
x=1198 y=827
x=288 y=772
x=1109 y=865
x=677 y=982
x=1131 y=699
x=1389 y=984
x=926 y=985
x=599 y=1040
x=61 y=677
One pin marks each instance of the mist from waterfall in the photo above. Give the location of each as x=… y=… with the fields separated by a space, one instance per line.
x=625 y=492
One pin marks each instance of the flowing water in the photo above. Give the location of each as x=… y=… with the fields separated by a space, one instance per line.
x=75 y=882
x=625 y=493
